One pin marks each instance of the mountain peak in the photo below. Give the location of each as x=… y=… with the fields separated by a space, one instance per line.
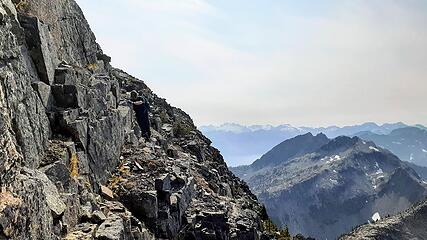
x=300 y=188
x=290 y=148
x=341 y=143
x=321 y=135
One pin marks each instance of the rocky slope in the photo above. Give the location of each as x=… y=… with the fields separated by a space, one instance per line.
x=325 y=192
x=409 y=144
x=71 y=163
x=406 y=225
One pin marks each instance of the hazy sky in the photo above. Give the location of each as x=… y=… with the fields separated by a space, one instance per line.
x=302 y=62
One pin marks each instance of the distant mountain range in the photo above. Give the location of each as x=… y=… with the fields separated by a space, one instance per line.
x=323 y=188
x=241 y=145
x=409 y=143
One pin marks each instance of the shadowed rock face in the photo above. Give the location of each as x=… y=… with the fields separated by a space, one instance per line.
x=72 y=165
x=326 y=192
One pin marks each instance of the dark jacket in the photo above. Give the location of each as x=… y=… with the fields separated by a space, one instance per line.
x=141 y=108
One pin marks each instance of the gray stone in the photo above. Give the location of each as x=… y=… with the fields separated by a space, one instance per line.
x=163 y=183
x=86 y=211
x=106 y=140
x=54 y=202
x=111 y=229
x=144 y=204
x=98 y=217
x=32 y=129
x=83 y=163
x=68 y=116
x=79 y=130
x=112 y=101
x=41 y=47
x=45 y=94
x=83 y=231
x=126 y=114
x=72 y=210
x=59 y=173
x=167 y=127
x=107 y=193
x=50 y=192
x=65 y=74
x=225 y=190
x=66 y=96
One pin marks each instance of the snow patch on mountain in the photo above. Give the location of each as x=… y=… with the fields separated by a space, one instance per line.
x=376 y=217
x=333 y=159
x=374 y=148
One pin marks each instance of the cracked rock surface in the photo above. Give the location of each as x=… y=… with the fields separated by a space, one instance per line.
x=72 y=162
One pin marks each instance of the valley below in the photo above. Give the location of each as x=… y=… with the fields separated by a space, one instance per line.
x=324 y=188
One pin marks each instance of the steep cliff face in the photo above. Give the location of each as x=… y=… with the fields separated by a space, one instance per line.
x=72 y=164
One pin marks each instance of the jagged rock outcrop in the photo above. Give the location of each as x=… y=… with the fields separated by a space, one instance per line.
x=326 y=192
x=409 y=224
x=72 y=165
x=184 y=178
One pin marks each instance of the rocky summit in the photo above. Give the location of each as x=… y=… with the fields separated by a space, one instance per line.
x=326 y=190
x=410 y=224
x=72 y=163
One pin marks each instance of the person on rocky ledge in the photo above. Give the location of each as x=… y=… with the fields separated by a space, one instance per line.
x=141 y=107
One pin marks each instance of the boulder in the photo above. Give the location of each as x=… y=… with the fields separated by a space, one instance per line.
x=144 y=204
x=83 y=231
x=54 y=202
x=106 y=192
x=45 y=94
x=98 y=217
x=163 y=183
x=59 y=173
x=104 y=146
x=83 y=163
x=41 y=47
x=126 y=116
x=72 y=210
x=111 y=229
x=67 y=96
x=65 y=74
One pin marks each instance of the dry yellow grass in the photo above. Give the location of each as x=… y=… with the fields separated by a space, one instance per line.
x=7 y=199
x=74 y=165
x=21 y=5
x=92 y=66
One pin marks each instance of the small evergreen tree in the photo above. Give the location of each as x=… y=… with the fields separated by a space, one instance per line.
x=273 y=230
x=284 y=234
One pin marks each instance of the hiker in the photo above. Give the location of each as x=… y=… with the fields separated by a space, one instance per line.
x=141 y=108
